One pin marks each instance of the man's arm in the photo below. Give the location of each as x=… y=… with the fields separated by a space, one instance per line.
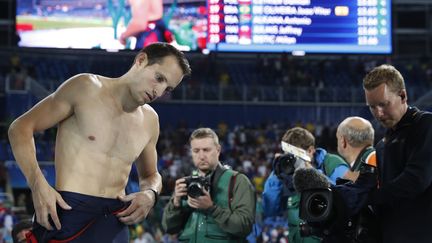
x=48 y=112
x=273 y=204
x=240 y=218
x=177 y=211
x=341 y=171
x=149 y=177
x=143 y=11
x=174 y=218
x=150 y=180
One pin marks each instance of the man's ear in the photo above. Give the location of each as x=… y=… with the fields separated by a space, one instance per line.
x=344 y=142
x=311 y=151
x=219 y=148
x=141 y=58
x=403 y=95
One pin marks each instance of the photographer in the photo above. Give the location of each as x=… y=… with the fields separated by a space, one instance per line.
x=339 y=214
x=278 y=189
x=225 y=212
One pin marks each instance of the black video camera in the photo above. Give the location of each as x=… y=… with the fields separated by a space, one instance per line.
x=316 y=209
x=196 y=184
x=326 y=216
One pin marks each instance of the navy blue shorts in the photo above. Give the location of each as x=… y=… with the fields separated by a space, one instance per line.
x=91 y=219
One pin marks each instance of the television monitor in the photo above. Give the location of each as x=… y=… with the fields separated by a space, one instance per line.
x=303 y=26
x=100 y=24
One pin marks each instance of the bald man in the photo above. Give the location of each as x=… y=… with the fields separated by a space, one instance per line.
x=352 y=220
x=355 y=137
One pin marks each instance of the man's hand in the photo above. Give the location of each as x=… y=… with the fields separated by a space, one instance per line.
x=201 y=202
x=351 y=175
x=180 y=191
x=45 y=200
x=141 y=204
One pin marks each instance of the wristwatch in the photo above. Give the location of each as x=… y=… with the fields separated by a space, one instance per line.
x=156 y=195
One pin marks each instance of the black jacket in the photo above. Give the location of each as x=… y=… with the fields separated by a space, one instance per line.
x=404 y=196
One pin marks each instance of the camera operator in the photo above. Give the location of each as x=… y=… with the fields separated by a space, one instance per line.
x=403 y=198
x=339 y=213
x=278 y=189
x=223 y=213
x=355 y=137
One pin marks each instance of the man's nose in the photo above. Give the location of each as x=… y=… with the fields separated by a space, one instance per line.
x=160 y=90
x=201 y=155
x=379 y=112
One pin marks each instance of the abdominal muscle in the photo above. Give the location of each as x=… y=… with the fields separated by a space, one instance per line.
x=95 y=175
x=88 y=168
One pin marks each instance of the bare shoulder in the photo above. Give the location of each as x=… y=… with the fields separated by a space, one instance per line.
x=150 y=113
x=80 y=85
x=151 y=121
x=83 y=80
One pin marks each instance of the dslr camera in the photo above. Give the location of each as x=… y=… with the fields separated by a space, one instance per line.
x=196 y=184
x=292 y=159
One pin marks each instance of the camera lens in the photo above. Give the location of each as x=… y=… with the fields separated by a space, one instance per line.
x=195 y=190
x=287 y=164
x=317 y=205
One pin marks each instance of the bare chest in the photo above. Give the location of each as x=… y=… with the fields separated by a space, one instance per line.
x=114 y=134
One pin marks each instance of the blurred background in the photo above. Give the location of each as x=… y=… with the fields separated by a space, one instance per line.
x=258 y=70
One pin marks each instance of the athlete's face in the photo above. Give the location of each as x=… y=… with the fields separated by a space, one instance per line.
x=151 y=82
x=205 y=154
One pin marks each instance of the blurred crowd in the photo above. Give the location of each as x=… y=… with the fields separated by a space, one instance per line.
x=249 y=149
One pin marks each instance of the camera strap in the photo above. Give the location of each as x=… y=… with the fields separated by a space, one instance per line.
x=231 y=187
x=367 y=156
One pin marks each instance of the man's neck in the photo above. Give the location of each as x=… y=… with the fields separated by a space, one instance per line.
x=204 y=173
x=352 y=155
x=121 y=95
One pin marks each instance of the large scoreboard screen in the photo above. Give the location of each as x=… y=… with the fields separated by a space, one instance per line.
x=311 y=26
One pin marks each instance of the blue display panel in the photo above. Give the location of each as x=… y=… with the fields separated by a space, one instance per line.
x=312 y=26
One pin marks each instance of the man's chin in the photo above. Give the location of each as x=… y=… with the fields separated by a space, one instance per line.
x=387 y=124
x=205 y=168
x=141 y=102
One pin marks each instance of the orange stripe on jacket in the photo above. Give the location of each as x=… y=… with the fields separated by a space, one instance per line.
x=371 y=159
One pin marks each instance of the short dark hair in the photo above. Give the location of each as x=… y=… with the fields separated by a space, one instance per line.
x=20 y=226
x=299 y=137
x=157 y=51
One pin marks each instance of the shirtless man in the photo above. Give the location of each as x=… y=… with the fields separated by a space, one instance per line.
x=146 y=23
x=104 y=125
